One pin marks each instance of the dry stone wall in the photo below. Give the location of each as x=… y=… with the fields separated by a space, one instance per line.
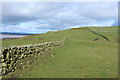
x=98 y=34
x=15 y=57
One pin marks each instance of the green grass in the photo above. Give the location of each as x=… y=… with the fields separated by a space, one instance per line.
x=80 y=57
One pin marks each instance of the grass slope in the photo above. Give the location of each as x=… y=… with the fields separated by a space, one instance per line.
x=80 y=57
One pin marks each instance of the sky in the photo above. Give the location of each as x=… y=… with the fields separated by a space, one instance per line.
x=41 y=17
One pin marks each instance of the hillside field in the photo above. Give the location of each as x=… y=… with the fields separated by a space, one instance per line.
x=80 y=57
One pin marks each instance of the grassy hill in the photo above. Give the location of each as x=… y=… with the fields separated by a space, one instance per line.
x=80 y=57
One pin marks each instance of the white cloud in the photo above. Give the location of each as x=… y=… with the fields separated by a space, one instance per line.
x=39 y=16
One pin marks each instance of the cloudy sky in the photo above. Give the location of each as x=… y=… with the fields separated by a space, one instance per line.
x=40 y=17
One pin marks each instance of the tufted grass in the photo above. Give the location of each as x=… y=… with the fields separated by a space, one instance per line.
x=80 y=57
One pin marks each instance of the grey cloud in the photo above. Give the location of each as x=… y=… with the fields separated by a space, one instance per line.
x=56 y=16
